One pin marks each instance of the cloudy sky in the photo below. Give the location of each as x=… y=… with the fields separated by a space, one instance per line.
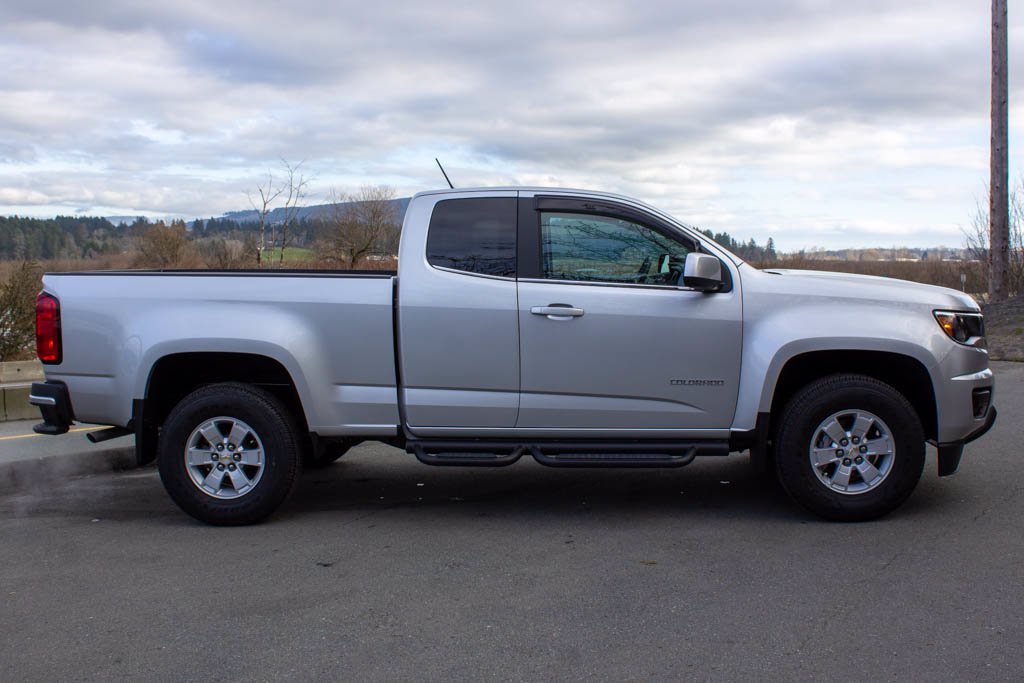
x=819 y=123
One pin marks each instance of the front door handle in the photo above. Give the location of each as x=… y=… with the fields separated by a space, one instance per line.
x=558 y=311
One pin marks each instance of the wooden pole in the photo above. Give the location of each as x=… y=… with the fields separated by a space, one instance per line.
x=999 y=200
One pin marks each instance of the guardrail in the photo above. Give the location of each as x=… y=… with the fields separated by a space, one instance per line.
x=15 y=381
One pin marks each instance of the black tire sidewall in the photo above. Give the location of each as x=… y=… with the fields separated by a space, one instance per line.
x=816 y=402
x=267 y=417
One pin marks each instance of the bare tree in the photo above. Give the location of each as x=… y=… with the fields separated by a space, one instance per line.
x=999 y=208
x=360 y=224
x=293 y=190
x=294 y=193
x=978 y=233
x=263 y=202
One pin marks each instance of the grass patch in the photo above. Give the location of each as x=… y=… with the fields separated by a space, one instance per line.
x=294 y=255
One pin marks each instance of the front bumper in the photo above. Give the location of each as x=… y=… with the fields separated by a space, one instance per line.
x=54 y=403
x=951 y=452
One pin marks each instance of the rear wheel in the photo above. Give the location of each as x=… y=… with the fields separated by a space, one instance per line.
x=849 y=448
x=229 y=454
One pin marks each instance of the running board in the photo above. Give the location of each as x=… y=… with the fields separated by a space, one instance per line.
x=463 y=458
x=481 y=453
x=614 y=459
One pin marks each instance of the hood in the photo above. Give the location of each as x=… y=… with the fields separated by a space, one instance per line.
x=831 y=283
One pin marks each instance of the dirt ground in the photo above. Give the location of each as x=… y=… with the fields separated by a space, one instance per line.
x=1004 y=328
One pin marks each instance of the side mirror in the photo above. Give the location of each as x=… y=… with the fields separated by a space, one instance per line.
x=702 y=271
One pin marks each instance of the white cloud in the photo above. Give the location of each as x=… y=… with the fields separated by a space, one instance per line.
x=829 y=123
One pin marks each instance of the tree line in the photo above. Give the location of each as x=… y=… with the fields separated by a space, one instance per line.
x=23 y=238
x=748 y=251
x=72 y=238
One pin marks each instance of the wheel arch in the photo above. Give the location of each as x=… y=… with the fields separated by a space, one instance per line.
x=175 y=375
x=904 y=373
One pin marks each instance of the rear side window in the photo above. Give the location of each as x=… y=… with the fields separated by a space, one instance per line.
x=474 y=235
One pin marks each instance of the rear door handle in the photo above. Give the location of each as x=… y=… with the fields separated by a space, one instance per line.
x=558 y=311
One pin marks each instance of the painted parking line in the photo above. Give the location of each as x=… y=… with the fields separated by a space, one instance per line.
x=29 y=436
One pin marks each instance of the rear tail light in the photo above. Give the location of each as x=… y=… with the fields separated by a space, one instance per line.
x=48 y=345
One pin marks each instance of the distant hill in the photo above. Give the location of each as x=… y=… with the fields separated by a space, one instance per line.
x=306 y=212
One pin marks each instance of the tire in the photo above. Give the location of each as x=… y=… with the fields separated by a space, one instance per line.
x=253 y=468
x=866 y=439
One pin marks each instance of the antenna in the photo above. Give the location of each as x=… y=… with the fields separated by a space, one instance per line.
x=444 y=174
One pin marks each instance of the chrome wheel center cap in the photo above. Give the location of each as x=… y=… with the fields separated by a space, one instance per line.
x=862 y=462
x=215 y=461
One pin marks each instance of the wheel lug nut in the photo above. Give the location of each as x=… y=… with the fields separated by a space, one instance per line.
x=844 y=442
x=220 y=447
x=846 y=461
x=237 y=456
x=856 y=439
x=840 y=452
x=213 y=456
x=231 y=467
x=858 y=460
x=231 y=446
x=863 y=449
x=220 y=466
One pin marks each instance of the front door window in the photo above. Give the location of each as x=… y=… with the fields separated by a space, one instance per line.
x=589 y=248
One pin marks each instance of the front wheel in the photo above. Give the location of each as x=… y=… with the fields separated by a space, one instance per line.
x=229 y=454
x=849 y=448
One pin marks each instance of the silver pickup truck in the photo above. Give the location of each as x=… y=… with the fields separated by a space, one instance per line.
x=581 y=329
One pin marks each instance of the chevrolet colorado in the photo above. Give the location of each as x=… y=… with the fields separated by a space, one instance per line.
x=582 y=329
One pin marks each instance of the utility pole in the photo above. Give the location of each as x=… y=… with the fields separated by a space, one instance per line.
x=999 y=200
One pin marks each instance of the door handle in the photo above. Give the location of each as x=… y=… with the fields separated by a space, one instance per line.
x=558 y=311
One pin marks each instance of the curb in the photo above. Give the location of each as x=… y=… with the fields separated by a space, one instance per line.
x=38 y=473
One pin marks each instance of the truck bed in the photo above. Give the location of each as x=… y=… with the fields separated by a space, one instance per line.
x=333 y=331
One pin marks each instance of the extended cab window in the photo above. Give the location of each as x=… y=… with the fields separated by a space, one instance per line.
x=474 y=235
x=603 y=249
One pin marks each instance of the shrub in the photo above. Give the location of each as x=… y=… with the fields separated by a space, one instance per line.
x=18 y=311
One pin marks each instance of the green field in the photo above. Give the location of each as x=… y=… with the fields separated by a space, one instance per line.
x=292 y=255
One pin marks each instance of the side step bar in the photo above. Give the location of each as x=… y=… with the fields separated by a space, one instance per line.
x=614 y=459
x=464 y=458
x=481 y=453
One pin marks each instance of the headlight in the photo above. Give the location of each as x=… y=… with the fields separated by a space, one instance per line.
x=964 y=328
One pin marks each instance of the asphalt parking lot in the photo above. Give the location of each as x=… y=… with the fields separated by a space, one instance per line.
x=384 y=569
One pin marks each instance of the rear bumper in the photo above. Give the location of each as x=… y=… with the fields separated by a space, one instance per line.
x=54 y=402
x=951 y=452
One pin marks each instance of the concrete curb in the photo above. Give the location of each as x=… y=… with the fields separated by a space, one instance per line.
x=38 y=473
x=15 y=381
